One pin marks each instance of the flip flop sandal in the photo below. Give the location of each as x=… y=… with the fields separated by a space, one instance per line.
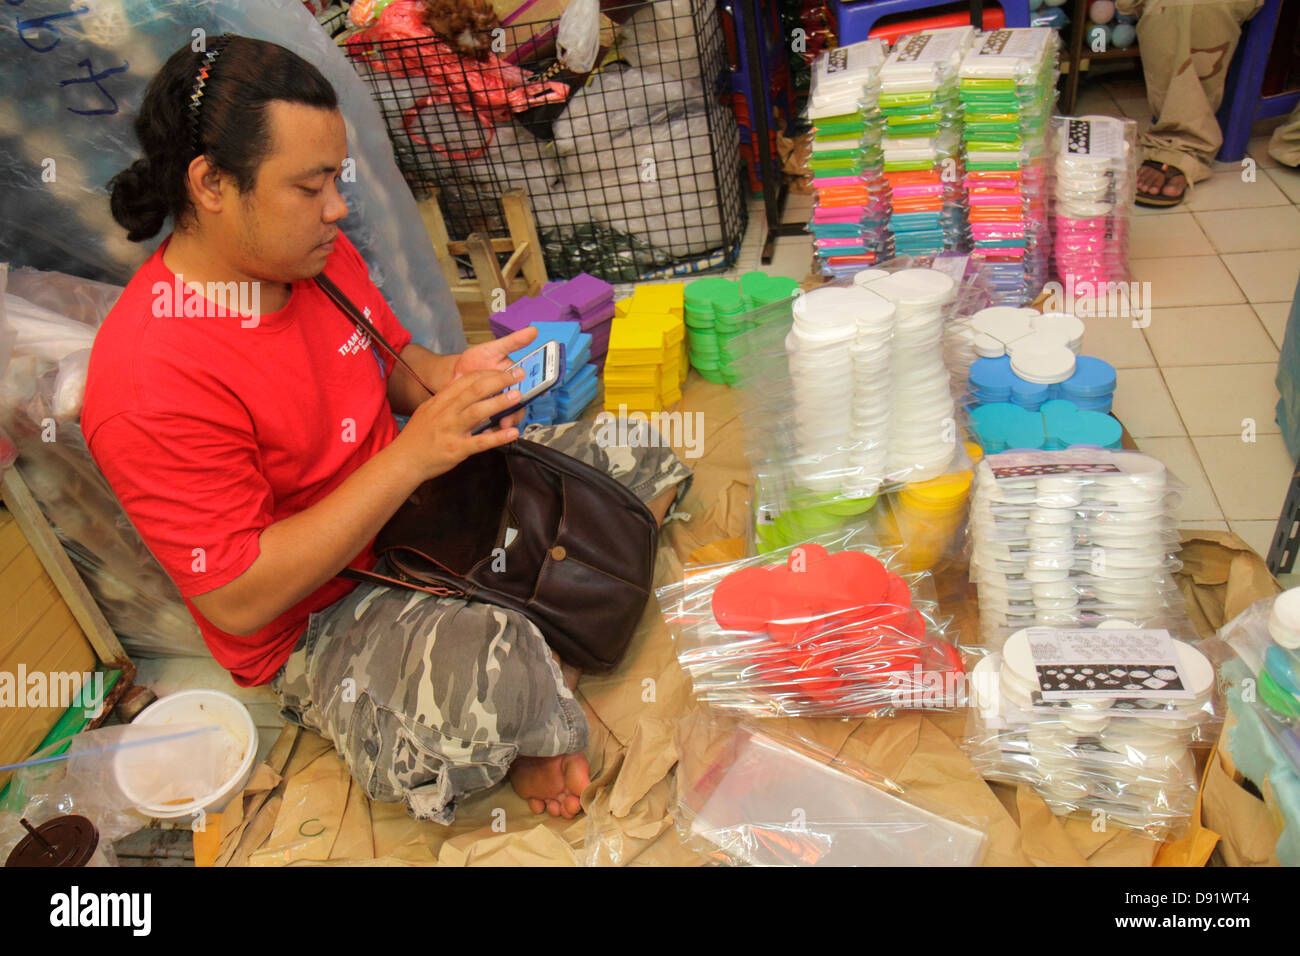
x=1159 y=199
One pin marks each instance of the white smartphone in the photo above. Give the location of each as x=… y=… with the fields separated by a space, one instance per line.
x=542 y=367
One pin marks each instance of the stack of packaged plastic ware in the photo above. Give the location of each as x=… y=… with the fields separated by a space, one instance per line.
x=579 y=383
x=1264 y=696
x=661 y=298
x=1087 y=382
x=828 y=629
x=1067 y=538
x=717 y=310
x=643 y=365
x=1095 y=160
x=583 y=299
x=923 y=436
x=1097 y=720
x=1008 y=90
x=878 y=344
x=922 y=141
x=850 y=219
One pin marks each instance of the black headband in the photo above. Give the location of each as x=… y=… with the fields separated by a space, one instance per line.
x=200 y=81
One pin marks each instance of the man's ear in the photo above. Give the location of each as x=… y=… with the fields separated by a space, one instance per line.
x=205 y=182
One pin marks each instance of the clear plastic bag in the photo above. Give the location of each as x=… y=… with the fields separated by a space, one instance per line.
x=822 y=629
x=752 y=795
x=41 y=389
x=1108 y=721
x=70 y=89
x=1094 y=173
x=1067 y=538
x=1259 y=652
x=104 y=776
x=853 y=396
x=578 y=39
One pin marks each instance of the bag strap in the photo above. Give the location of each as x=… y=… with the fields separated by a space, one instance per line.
x=336 y=295
x=370 y=577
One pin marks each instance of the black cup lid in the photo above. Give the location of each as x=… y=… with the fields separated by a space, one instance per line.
x=63 y=841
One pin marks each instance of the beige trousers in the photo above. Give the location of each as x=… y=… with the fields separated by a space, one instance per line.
x=1187 y=46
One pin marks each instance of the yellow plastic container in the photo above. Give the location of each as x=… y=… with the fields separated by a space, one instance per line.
x=928 y=514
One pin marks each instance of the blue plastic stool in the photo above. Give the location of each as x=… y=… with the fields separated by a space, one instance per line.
x=857 y=19
x=1242 y=103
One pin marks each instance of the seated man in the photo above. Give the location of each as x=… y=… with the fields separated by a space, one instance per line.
x=255 y=448
x=1187 y=47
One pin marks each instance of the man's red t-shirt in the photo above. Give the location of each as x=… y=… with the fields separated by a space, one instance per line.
x=211 y=429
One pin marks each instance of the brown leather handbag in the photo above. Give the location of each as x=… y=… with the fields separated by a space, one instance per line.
x=526 y=527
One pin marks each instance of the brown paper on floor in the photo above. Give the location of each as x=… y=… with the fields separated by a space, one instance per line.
x=628 y=818
x=1221 y=577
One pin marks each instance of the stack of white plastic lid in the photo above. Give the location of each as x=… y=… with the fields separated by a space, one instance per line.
x=1094 y=172
x=1064 y=538
x=922 y=439
x=922 y=140
x=1096 y=720
x=1001 y=329
x=841 y=390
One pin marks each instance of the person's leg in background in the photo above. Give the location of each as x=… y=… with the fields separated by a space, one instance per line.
x=1284 y=146
x=1187 y=47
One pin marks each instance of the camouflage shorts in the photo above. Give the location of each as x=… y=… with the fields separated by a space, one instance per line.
x=430 y=699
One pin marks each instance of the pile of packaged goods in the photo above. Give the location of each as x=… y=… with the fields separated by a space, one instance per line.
x=578 y=383
x=817 y=633
x=1095 y=179
x=717 y=310
x=643 y=367
x=869 y=390
x=922 y=142
x=1263 y=695
x=1098 y=720
x=583 y=299
x=1072 y=537
x=1008 y=88
x=850 y=221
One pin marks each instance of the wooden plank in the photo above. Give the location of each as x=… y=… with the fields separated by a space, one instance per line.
x=60 y=569
x=486 y=268
x=431 y=215
x=523 y=229
x=12 y=542
x=498 y=245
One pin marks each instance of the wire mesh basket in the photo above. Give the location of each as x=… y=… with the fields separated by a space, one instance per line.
x=633 y=171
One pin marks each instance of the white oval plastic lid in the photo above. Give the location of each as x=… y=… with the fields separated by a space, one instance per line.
x=1284 y=619
x=840 y=306
x=986 y=346
x=1139 y=469
x=1043 y=366
x=916 y=288
x=1194 y=666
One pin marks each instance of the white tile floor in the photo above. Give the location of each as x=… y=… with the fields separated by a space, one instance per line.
x=1196 y=385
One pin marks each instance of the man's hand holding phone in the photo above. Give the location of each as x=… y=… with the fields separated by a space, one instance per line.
x=439 y=435
x=494 y=356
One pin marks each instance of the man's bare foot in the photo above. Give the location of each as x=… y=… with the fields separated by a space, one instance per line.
x=551 y=784
x=1159 y=184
